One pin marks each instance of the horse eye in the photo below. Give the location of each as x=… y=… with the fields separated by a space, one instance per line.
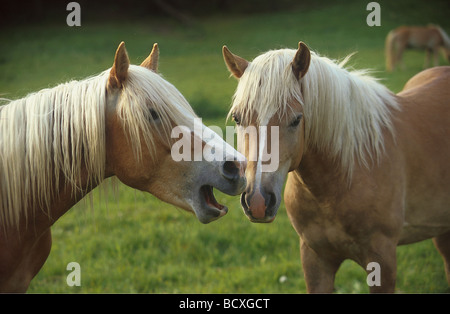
x=154 y=114
x=296 y=121
x=236 y=119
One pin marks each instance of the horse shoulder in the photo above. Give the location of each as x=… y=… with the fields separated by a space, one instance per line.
x=329 y=210
x=301 y=205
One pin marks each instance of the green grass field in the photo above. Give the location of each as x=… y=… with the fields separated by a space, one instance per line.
x=129 y=241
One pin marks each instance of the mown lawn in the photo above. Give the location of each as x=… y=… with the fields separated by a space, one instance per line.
x=129 y=241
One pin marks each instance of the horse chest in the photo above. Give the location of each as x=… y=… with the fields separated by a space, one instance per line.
x=321 y=226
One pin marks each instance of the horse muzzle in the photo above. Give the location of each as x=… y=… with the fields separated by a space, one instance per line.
x=259 y=206
x=231 y=181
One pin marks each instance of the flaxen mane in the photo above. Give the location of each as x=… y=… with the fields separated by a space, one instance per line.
x=50 y=135
x=345 y=111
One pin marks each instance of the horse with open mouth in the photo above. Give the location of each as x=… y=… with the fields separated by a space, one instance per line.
x=366 y=169
x=58 y=144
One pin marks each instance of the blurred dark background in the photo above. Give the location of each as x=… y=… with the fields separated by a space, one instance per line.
x=13 y=12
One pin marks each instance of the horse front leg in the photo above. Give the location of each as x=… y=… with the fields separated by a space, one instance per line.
x=399 y=57
x=427 y=58
x=380 y=263
x=24 y=264
x=319 y=272
x=435 y=57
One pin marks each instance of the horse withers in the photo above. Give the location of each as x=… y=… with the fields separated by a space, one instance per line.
x=367 y=170
x=58 y=144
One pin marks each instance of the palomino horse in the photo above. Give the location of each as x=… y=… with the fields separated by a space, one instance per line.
x=430 y=38
x=367 y=169
x=58 y=144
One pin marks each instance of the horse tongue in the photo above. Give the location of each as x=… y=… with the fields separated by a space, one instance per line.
x=257 y=206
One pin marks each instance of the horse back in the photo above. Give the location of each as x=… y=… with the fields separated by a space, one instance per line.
x=423 y=122
x=423 y=134
x=437 y=78
x=418 y=37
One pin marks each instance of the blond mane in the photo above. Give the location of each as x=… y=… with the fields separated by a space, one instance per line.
x=345 y=111
x=53 y=135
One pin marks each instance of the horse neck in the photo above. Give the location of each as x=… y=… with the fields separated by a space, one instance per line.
x=64 y=197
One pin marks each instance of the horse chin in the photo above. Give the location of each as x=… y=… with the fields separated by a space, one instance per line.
x=207 y=208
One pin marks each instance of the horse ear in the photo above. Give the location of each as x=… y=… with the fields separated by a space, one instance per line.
x=151 y=62
x=301 y=61
x=236 y=65
x=119 y=70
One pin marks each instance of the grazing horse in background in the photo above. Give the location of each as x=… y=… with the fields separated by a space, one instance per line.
x=367 y=169
x=430 y=38
x=58 y=144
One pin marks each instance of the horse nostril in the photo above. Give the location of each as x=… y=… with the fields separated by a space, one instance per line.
x=230 y=170
x=271 y=201
x=244 y=200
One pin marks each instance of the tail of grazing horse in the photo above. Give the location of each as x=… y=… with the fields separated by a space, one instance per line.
x=389 y=50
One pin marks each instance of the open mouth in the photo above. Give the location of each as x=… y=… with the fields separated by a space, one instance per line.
x=215 y=209
x=208 y=195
